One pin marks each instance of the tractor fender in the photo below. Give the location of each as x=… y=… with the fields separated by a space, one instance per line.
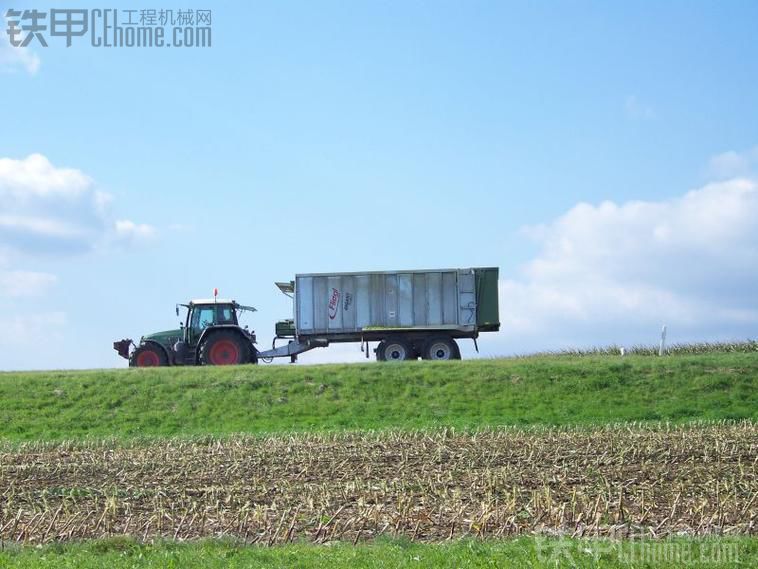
x=231 y=327
x=169 y=356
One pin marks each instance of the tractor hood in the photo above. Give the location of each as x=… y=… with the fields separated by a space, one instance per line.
x=167 y=337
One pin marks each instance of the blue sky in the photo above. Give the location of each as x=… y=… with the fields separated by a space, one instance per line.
x=321 y=136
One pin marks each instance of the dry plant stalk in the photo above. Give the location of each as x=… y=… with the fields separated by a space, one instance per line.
x=620 y=480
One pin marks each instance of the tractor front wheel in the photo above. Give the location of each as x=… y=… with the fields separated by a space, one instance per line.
x=148 y=356
x=224 y=348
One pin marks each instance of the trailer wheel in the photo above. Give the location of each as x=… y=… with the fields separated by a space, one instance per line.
x=442 y=348
x=148 y=356
x=224 y=348
x=395 y=351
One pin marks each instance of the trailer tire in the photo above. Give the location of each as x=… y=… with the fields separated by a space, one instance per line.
x=224 y=348
x=442 y=348
x=148 y=356
x=395 y=350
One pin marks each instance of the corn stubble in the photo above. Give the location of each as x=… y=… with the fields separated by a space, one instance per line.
x=691 y=348
x=624 y=480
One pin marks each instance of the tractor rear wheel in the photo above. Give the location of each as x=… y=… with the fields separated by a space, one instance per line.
x=224 y=348
x=148 y=356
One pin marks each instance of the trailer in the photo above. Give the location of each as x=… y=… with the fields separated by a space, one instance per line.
x=410 y=314
x=404 y=314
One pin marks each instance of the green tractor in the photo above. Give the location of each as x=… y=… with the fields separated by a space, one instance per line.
x=210 y=335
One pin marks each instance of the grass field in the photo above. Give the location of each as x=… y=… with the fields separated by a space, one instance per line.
x=546 y=390
x=522 y=553
x=634 y=462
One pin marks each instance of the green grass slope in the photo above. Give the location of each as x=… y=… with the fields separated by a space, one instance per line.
x=526 y=552
x=551 y=390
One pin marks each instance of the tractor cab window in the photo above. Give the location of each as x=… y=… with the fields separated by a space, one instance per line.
x=202 y=317
x=226 y=315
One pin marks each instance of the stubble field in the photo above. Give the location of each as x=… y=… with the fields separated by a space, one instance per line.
x=620 y=481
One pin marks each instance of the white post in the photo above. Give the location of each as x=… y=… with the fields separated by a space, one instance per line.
x=662 y=347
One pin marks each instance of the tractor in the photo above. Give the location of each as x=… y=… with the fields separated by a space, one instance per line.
x=210 y=335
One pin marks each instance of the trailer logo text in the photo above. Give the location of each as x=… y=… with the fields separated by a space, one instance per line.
x=109 y=27
x=334 y=302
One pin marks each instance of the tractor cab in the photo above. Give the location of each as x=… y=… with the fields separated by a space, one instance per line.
x=202 y=314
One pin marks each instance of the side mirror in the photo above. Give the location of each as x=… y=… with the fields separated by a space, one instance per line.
x=177 y=310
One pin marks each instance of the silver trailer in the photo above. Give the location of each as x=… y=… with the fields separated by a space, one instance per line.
x=410 y=314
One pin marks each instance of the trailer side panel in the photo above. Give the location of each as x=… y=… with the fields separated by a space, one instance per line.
x=342 y=304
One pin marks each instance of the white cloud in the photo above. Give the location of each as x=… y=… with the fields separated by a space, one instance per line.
x=131 y=232
x=614 y=273
x=52 y=228
x=36 y=177
x=48 y=209
x=733 y=164
x=13 y=58
x=638 y=110
x=16 y=284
